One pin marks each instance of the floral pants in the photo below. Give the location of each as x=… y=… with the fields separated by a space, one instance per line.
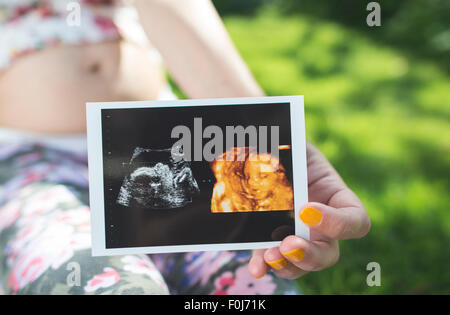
x=45 y=240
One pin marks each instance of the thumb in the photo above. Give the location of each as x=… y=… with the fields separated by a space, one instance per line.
x=336 y=223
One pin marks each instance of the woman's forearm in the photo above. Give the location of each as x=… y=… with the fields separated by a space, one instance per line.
x=196 y=48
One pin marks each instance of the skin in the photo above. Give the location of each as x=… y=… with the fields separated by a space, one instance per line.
x=58 y=81
x=343 y=217
x=194 y=28
x=53 y=85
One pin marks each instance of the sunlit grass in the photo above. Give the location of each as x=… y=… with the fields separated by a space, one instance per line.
x=383 y=120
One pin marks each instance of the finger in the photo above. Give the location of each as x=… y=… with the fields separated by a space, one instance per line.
x=281 y=266
x=257 y=267
x=339 y=224
x=310 y=256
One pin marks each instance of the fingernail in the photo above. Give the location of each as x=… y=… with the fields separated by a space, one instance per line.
x=261 y=276
x=278 y=264
x=295 y=255
x=311 y=216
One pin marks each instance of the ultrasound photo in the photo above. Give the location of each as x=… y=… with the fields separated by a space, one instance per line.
x=157 y=181
x=155 y=192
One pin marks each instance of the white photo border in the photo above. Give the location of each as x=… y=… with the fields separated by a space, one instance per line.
x=95 y=160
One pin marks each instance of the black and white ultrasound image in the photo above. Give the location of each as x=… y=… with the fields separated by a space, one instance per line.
x=155 y=180
x=151 y=200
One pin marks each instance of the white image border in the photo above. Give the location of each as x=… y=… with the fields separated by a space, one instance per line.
x=96 y=185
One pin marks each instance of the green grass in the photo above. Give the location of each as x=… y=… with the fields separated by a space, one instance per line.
x=383 y=120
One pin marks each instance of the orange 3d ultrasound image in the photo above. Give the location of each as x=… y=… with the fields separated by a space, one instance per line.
x=250 y=181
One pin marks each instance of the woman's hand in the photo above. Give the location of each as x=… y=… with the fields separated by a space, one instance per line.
x=333 y=213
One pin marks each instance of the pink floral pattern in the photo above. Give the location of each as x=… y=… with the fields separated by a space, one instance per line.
x=223 y=283
x=243 y=283
x=204 y=265
x=45 y=228
x=246 y=284
x=31 y=25
x=143 y=265
x=107 y=279
x=42 y=225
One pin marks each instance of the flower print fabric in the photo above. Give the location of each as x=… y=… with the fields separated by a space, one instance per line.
x=107 y=279
x=27 y=26
x=45 y=229
x=240 y=282
x=218 y=273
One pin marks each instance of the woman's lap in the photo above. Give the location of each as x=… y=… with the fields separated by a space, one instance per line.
x=45 y=240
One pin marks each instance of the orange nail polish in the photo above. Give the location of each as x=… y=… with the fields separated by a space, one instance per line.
x=311 y=216
x=295 y=255
x=278 y=264
x=260 y=277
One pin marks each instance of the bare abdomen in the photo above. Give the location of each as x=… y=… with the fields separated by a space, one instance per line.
x=46 y=91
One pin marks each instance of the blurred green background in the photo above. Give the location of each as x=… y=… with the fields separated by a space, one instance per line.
x=377 y=105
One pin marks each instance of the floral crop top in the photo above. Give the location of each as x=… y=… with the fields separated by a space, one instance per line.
x=30 y=25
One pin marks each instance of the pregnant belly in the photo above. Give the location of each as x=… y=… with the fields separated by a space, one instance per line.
x=47 y=91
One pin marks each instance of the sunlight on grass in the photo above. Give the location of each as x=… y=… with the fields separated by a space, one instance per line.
x=382 y=118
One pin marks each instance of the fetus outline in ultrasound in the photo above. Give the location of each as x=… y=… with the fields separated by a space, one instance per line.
x=157 y=180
